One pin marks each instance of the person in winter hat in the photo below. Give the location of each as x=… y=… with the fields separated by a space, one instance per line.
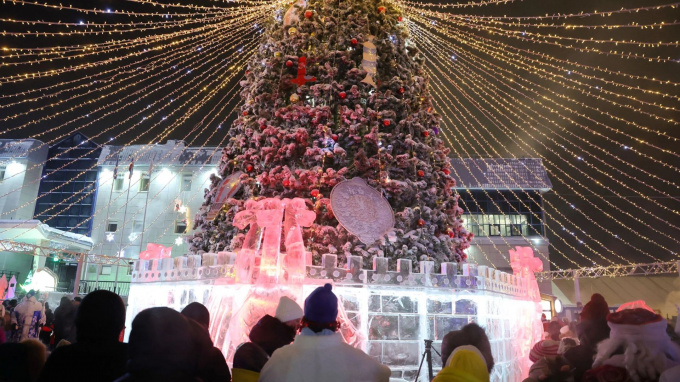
x=269 y=334
x=289 y=312
x=24 y=315
x=591 y=330
x=64 y=321
x=465 y=364
x=596 y=308
x=542 y=349
x=548 y=361
x=638 y=343
x=319 y=352
x=470 y=334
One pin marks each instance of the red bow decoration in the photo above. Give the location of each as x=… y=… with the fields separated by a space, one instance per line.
x=302 y=78
x=155 y=251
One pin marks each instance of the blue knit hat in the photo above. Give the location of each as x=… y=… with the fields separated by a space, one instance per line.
x=322 y=305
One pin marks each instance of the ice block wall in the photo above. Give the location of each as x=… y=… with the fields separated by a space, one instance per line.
x=389 y=313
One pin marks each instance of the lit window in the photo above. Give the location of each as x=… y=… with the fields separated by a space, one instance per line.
x=494 y=230
x=496 y=225
x=118 y=185
x=137 y=226
x=186 y=182
x=112 y=226
x=181 y=226
x=144 y=183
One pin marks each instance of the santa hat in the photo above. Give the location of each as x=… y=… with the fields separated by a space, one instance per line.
x=542 y=349
x=288 y=310
x=648 y=350
x=596 y=308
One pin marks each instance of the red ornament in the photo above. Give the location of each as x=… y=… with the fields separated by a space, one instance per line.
x=401 y=90
x=354 y=41
x=263 y=126
x=315 y=193
x=386 y=122
x=286 y=183
x=245 y=112
x=446 y=171
x=426 y=134
x=421 y=173
x=309 y=14
x=399 y=18
x=334 y=137
x=421 y=222
x=343 y=95
x=249 y=168
x=289 y=63
x=451 y=234
x=247 y=71
x=382 y=9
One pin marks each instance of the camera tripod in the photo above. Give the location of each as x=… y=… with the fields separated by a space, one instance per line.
x=427 y=354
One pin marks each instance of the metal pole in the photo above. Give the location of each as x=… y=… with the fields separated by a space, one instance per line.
x=79 y=269
x=96 y=280
x=577 y=290
x=146 y=206
x=122 y=233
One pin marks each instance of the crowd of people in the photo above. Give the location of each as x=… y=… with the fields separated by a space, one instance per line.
x=82 y=341
x=632 y=344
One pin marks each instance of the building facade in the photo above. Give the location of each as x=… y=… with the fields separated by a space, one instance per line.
x=503 y=204
x=21 y=165
x=147 y=194
x=68 y=189
x=26 y=243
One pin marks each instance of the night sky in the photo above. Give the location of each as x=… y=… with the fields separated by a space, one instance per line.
x=612 y=155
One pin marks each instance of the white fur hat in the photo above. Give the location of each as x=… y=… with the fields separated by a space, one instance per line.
x=288 y=310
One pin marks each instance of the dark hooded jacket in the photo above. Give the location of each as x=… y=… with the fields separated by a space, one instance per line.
x=64 y=321
x=162 y=347
x=266 y=336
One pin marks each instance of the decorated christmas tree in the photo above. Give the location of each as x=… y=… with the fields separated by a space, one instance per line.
x=337 y=91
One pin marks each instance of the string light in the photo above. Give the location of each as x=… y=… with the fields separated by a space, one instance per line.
x=477 y=63
x=177 y=58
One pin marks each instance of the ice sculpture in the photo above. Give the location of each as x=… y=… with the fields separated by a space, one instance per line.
x=279 y=274
x=155 y=251
x=386 y=313
x=524 y=264
x=297 y=216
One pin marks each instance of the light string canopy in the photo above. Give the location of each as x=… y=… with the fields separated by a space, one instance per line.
x=591 y=92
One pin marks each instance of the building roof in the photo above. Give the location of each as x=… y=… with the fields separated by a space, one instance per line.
x=500 y=174
x=171 y=153
x=31 y=149
x=34 y=232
